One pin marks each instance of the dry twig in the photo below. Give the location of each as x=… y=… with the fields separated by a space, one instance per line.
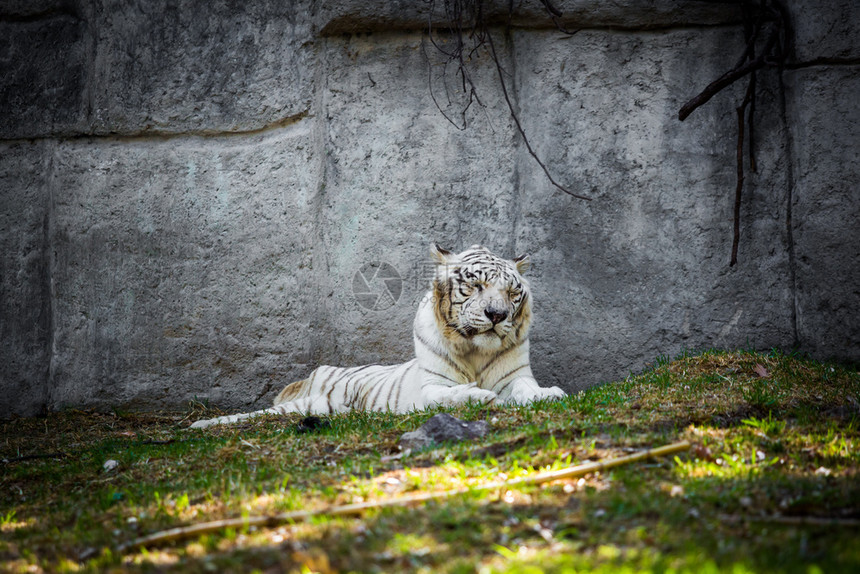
x=268 y=521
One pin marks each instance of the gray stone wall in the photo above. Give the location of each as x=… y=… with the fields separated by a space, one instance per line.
x=187 y=190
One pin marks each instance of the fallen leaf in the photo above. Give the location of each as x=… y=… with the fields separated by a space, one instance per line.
x=761 y=371
x=704 y=453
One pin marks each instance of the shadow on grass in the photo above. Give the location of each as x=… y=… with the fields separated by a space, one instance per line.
x=629 y=526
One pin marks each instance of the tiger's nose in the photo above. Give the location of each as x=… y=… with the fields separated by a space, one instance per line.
x=495 y=315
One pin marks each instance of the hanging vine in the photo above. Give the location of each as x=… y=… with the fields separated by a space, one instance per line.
x=765 y=25
x=467 y=35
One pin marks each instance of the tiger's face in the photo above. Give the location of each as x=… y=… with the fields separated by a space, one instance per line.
x=482 y=301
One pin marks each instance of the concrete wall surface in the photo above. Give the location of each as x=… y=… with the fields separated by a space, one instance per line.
x=188 y=190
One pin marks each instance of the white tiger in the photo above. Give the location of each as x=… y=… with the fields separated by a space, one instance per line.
x=471 y=344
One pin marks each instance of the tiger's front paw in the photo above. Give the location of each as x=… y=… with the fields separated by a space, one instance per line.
x=553 y=393
x=462 y=394
x=523 y=395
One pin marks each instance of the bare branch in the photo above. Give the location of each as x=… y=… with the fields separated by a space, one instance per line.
x=736 y=237
x=755 y=18
x=520 y=127
x=465 y=21
x=730 y=77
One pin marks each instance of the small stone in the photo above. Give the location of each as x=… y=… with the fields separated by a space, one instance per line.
x=110 y=465
x=443 y=428
x=312 y=424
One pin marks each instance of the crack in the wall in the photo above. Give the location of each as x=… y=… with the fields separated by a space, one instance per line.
x=50 y=263
x=92 y=48
x=280 y=124
x=789 y=224
x=352 y=16
x=319 y=256
x=59 y=13
x=617 y=28
x=823 y=62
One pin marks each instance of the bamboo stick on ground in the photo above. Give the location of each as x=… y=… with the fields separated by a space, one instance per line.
x=273 y=520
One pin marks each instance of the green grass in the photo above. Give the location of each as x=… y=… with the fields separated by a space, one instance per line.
x=771 y=484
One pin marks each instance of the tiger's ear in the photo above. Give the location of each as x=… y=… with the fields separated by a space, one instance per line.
x=523 y=263
x=439 y=254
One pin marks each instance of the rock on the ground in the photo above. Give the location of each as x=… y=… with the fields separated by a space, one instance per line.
x=443 y=428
